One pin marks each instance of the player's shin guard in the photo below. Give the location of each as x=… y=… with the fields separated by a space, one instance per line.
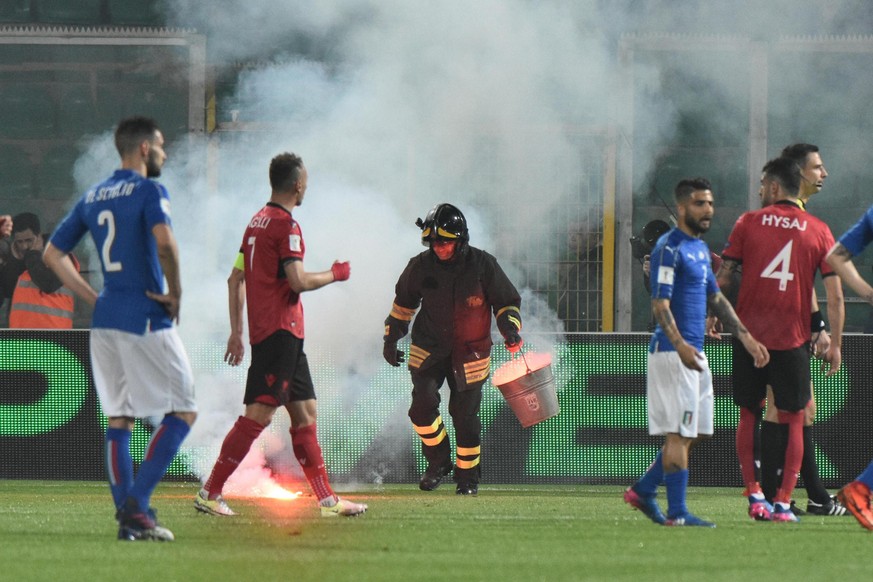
x=304 y=440
x=793 y=453
x=745 y=443
x=162 y=447
x=652 y=478
x=774 y=439
x=234 y=449
x=677 y=485
x=119 y=464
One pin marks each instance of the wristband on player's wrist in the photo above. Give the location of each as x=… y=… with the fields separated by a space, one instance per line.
x=816 y=322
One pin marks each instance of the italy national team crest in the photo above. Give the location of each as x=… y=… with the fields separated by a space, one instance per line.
x=687 y=418
x=532 y=401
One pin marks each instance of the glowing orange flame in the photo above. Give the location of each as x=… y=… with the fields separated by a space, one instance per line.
x=270 y=490
x=518 y=367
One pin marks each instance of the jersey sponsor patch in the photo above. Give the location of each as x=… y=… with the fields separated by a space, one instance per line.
x=165 y=206
x=294 y=242
x=665 y=275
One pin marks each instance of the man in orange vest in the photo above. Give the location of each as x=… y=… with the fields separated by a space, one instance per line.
x=37 y=298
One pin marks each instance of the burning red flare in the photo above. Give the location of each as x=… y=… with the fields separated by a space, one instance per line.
x=270 y=490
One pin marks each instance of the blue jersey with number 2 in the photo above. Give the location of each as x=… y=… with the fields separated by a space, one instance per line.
x=120 y=213
x=681 y=271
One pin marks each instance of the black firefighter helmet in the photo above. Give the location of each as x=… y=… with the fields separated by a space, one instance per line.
x=444 y=222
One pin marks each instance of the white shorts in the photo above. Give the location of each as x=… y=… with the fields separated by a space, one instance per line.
x=680 y=400
x=141 y=375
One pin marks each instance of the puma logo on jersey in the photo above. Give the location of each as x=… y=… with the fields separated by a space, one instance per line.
x=782 y=222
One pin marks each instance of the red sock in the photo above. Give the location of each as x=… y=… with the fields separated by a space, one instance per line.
x=745 y=443
x=235 y=447
x=793 y=453
x=304 y=440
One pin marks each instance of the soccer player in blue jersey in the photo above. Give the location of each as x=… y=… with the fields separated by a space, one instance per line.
x=139 y=364
x=856 y=495
x=679 y=383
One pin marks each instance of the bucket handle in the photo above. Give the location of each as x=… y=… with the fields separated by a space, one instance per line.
x=526 y=365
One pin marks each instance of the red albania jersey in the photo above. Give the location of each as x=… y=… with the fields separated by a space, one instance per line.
x=272 y=239
x=780 y=247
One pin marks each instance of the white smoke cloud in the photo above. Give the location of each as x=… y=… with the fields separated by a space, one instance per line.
x=396 y=106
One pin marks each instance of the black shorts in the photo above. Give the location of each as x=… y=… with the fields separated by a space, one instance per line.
x=279 y=372
x=787 y=373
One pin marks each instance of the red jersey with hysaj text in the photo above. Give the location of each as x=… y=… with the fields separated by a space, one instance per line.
x=780 y=247
x=272 y=239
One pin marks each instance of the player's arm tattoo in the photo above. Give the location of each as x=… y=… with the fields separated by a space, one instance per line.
x=664 y=317
x=841 y=251
x=728 y=273
x=721 y=307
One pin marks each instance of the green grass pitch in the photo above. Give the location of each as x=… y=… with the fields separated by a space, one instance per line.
x=52 y=530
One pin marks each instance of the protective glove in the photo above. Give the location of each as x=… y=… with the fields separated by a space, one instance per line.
x=340 y=270
x=513 y=342
x=392 y=355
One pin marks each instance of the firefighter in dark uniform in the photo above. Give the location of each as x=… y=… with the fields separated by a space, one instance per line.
x=457 y=287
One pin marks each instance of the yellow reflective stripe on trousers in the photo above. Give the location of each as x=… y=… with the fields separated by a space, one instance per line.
x=469 y=451
x=462 y=464
x=429 y=429
x=434 y=441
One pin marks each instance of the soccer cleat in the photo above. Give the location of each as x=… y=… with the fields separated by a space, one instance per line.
x=135 y=525
x=830 y=507
x=217 y=506
x=759 y=508
x=467 y=488
x=796 y=510
x=856 y=498
x=783 y=514
x=433 y=475
x=646 y=504
x=343 y=507
x=688 y=520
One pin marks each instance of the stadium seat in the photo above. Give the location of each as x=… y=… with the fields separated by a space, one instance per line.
x=109 y=106
x=64 y=11
x=17 y=171
x=27 y=110
x=77 y=111
x=55 y=176
x=135 y=12
x=167 y=105
x=15 y=11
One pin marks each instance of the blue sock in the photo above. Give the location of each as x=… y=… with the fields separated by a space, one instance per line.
x=651 y=479
x=866 y=477
x=677 y=484
x=163 y=446
x=119 y=464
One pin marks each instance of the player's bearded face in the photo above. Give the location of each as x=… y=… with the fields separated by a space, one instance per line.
x=698 y=212
x=153 y=164
x=698 y=225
